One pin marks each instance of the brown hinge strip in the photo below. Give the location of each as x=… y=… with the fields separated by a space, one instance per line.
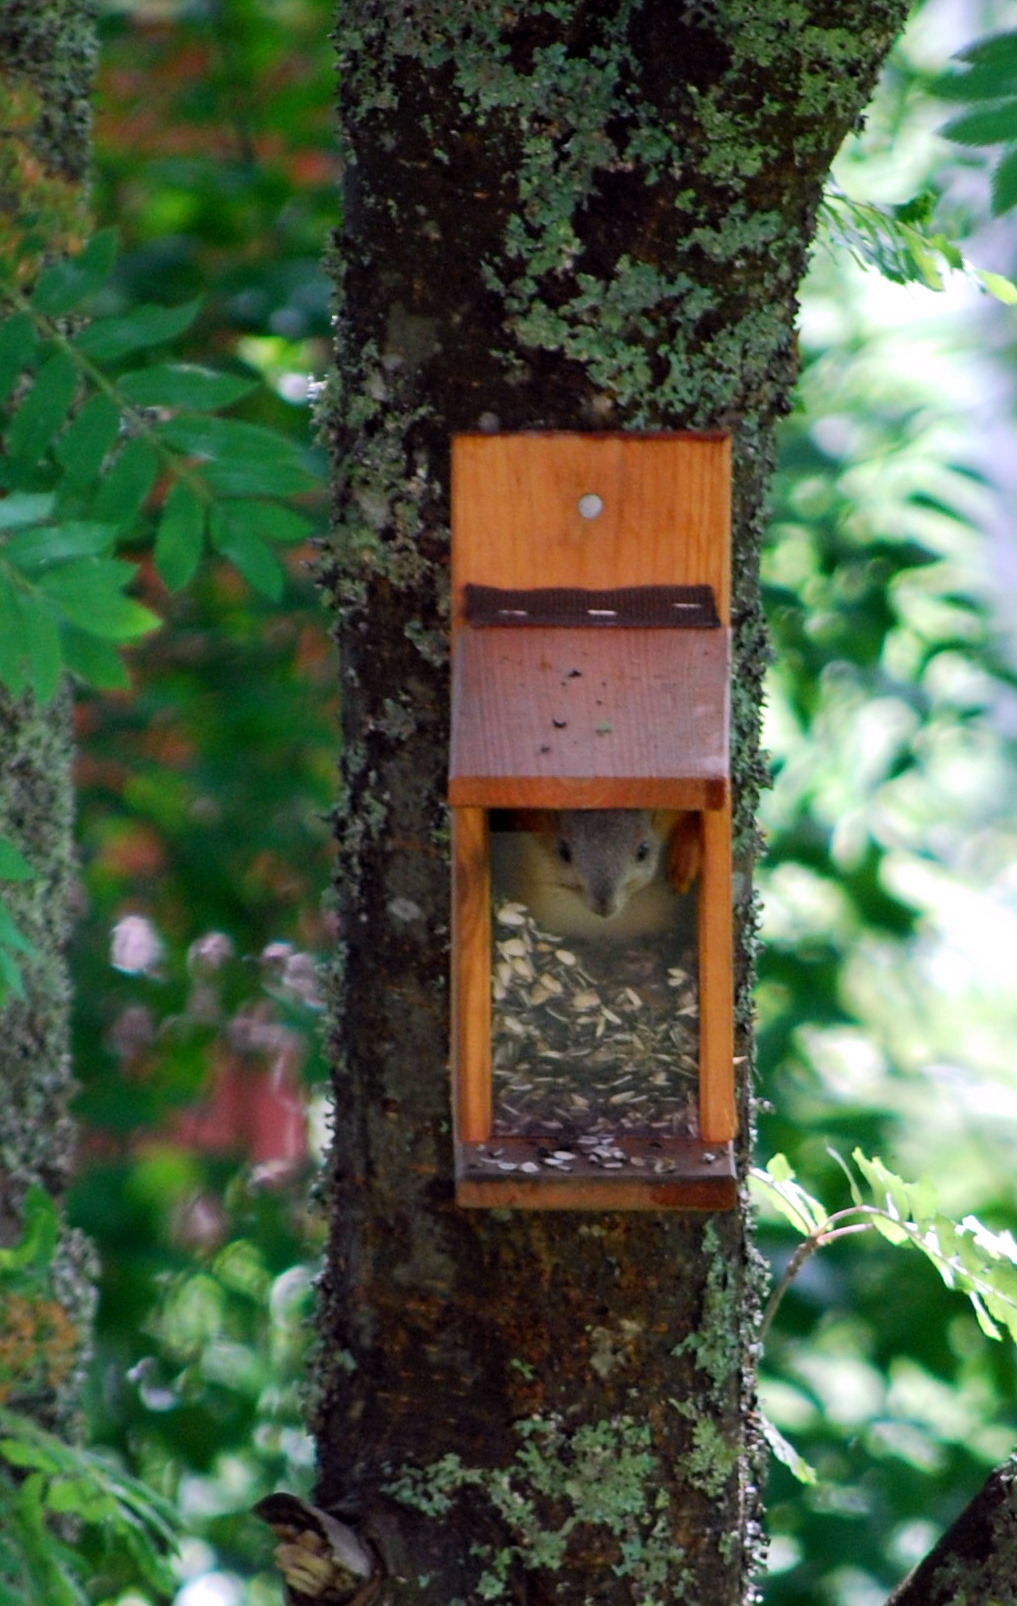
x=654 y=607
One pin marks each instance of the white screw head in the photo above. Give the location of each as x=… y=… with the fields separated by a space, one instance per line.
x=590 y=506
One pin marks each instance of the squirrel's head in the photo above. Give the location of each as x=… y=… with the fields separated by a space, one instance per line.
x=606 y=855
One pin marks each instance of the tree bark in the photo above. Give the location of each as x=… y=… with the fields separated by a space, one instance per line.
x=571 y=216
x=976 y=1559
x=47 y=58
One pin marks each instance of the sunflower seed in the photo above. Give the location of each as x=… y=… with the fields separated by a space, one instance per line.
x=614 y=1055
x=511 y=914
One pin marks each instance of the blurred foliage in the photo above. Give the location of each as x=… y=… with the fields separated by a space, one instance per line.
x=96 y=459
x=984 y=80
x=885 y=1010
x=97 y=444
x=888 y=700
x=885 y=1023
x=203 y=800
x=72 y=1525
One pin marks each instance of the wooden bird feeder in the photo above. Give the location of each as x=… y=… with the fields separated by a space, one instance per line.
x=591 y=667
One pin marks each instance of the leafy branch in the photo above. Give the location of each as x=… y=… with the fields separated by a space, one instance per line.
x=901 y=244
x=900 y=241
x=104 y=444
x=42 y=1479
x=967 y=1255
x=97 y=442
x=985 y=81
x=45 y=1483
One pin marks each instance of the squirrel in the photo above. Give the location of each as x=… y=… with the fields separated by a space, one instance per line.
x=602 y=874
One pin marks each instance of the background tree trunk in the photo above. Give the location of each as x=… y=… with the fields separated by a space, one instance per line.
x=976 y=1559
x=569 y=216
x=47 y=58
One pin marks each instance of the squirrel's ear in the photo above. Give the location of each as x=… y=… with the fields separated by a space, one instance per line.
x=683 y=832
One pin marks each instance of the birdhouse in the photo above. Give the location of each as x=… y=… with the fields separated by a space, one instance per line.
x=589 y=787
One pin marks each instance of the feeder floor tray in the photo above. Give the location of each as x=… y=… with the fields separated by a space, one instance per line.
x=595 y=1172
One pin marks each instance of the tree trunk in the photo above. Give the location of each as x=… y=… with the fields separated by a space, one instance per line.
x=568 y=216
x=976 y=1559
x=47 y=57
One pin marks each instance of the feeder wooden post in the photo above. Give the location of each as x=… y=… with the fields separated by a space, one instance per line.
x=471 y=976
x=718 y=1119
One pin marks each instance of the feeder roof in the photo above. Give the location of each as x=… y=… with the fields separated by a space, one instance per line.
x=557 y=717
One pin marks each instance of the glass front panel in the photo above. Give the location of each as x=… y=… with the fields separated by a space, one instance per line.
x=594 y=986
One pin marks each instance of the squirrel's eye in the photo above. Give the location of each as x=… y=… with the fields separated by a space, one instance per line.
x=643 y=851
x=564 y=851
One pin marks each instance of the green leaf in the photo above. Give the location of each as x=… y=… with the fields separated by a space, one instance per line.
x=13 y=864
x=81 y=1497
x=19 y=1453
x=40 y=644
x=183 y=384
x=998 y=48
x=273 y=522
x=983 y=1318
x=806 y=1214
x=43 y=409
x=998 y=1245
x=779 y=1168
x=108 y=339
x=31 y=1489
x=890 y=1231
x=82 y=448
x=13 y=646
x=37 y=549
x=988 y=80
x=36 y=1248
x=149 y=1563
x=159 y=1515
x=253 y=478
x=89 y=593
x=257 y=562
x=786 y=1453
x=240 y=459
x=69 y=282
x=888 y=1189
x=201 y=436
x=923 y=1202
x=93 y=660
x=11 y=939
x=995 y=125
x=25 y=507
x=10 y=975
x=18 y=345
x=1004 y=196
x=890 y=242
x=10 y=936
x=180 y=536
x=856 y=1192
x=126 y=487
